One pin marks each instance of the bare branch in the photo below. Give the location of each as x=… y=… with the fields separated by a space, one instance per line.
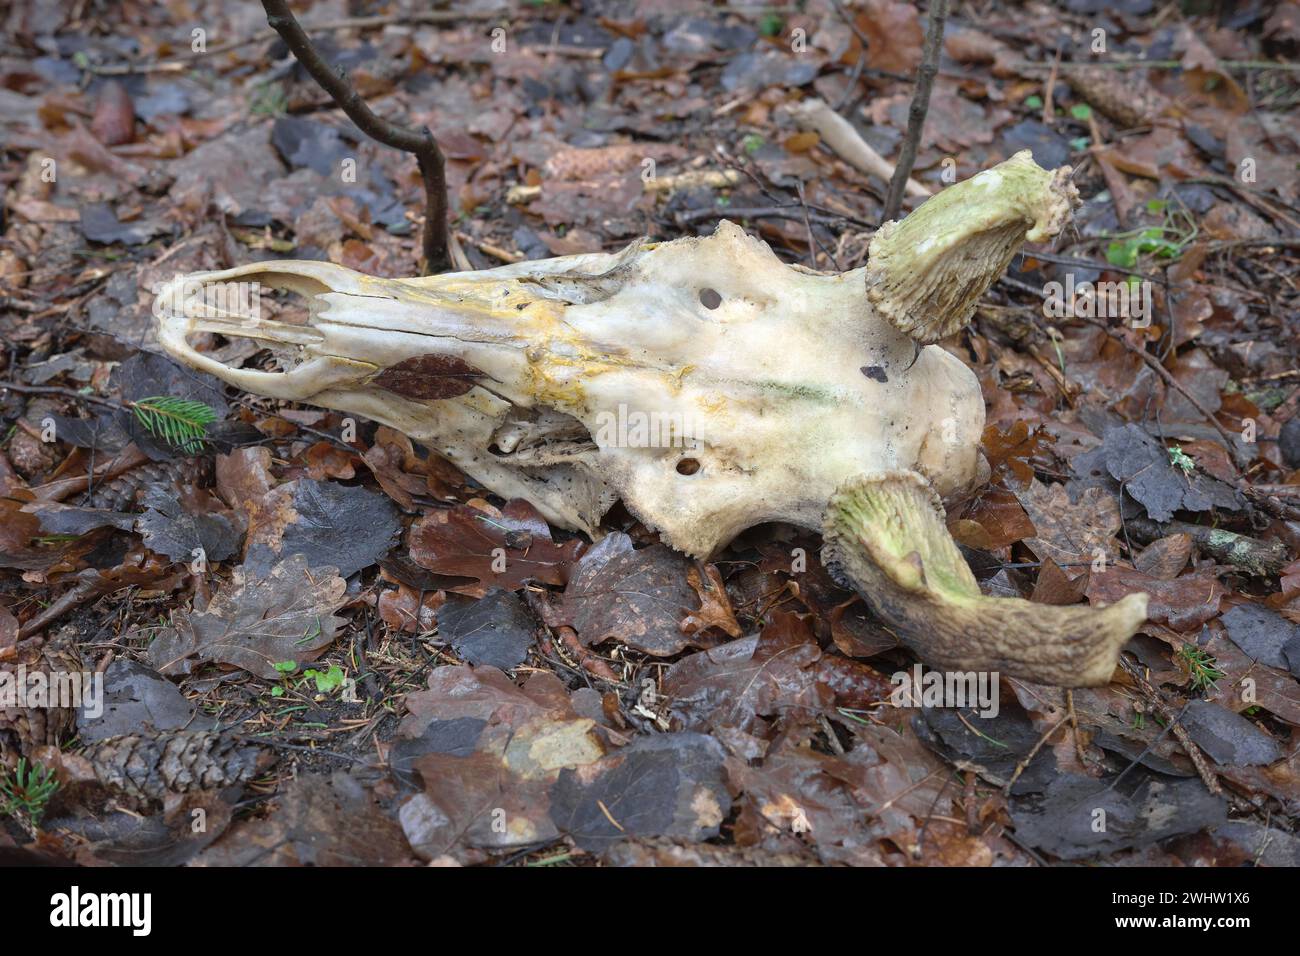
x=920 y=106
x=334 y=80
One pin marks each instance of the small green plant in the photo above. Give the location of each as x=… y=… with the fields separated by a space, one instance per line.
x=1180 y=459
x=26 y=793
x=752 y=143
x=179 y=422
x=1081 y=111
x=326 y=681
x=770 y=24
x=1202 y=668
x=284 y=669
x=1166 y=240
x=270 y=99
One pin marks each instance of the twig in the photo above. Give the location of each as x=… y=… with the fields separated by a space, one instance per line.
x=1029 y=757
x=421 y=144
x=488 y=248
x=61 y=392
x=758 y=212
x=920 y=106
x=1049 y=108
x=1251 y=555
x=1288 y=242
x=1168 y=378
x=1174 y=724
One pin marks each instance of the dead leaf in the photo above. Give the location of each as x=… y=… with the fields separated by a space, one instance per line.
x=1165 y=557
x=1070 y=533
x=257 y=621
x=503 y=551
x=434 y=375
x=715 y=607
x=637 y=597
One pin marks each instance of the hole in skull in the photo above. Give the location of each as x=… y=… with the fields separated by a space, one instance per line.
x=688 y=466
x=710 y=299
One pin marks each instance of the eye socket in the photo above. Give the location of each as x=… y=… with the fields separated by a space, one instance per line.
x=710 y=299
x=688 y=466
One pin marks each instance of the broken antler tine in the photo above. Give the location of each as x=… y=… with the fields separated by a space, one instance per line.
x=926 y=272
x=886 y=536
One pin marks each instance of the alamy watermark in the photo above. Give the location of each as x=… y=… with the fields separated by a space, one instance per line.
x=1130 y=301
x=975 y=689
x=193 y=298
x=633 y=428
x=46 y=689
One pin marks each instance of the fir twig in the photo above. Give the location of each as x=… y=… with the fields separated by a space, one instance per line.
x=181 y=423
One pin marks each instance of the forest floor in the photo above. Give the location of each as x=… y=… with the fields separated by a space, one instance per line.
x=301 y=623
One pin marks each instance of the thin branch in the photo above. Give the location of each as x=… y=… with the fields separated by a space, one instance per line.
x=334 y=80
x=920 y=106
x=1154 y=364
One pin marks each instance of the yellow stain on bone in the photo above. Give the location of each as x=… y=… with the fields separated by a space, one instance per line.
x=558 y=357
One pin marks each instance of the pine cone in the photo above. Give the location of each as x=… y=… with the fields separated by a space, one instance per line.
x=141 y=770
x=25 y=727
x=1126 y=98
x=120 y=493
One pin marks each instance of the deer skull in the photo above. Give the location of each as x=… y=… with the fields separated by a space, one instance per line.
x=704 y=382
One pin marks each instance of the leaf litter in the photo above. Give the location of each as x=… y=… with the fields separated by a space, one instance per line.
x=415 y=671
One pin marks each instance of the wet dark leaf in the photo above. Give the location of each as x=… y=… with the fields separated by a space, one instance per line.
x=496 y=629
x=185 y=536
x=637 y=597
x=1078 y=817
x=669 y=785
x=429 y=377
x=100 y=224
x=1265 y=635
x=1147 y=471
x=494 y=551
x=341 y=526
x=318 y=821
x=1229 y=738
x=138 y=700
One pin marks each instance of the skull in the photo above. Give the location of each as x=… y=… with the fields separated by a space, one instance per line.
x=704 y=382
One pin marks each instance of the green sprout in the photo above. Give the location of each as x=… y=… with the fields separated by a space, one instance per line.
x=26 y=794
x=326 y=681
x=1201 y=666
x=1180 y=459
x=270 y=99
x=1166 y=240
x=284 y=669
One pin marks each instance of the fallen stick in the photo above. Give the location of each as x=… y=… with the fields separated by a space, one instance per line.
x=1258 y=558
x=839 y=134
x=709 y=178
